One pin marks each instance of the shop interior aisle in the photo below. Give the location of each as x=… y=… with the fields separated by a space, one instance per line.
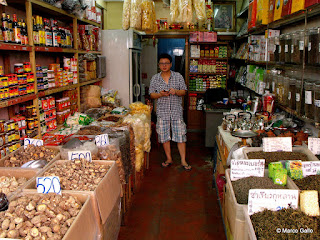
x=173 y=204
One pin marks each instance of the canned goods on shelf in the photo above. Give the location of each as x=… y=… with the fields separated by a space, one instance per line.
x=18 y=68
x=27 y=67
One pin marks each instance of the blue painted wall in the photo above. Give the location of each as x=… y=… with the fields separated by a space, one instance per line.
x=173 y=47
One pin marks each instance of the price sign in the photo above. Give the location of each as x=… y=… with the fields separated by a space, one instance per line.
x=102 y=140
x=32 y=141
x=48 y=185
x=314 y=145
x=242 y=168
x=272 y=199
x=72 y=155
x=277 y=144
x=306 y=168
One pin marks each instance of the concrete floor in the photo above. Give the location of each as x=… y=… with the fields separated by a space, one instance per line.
x=175 y=204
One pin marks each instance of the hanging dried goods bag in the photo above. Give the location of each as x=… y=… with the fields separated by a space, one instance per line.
x=174 y=10
x=185 y=10
x=135 y=14
x=148 y=15
x=200 y=9
x=126 y=14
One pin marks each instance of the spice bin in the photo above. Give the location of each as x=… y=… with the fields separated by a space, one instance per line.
x=292 y=93
x=282 y=48
x=308 y=96
x=313 y=46
x=297 y=47
x=288 y=48
x=298 y=96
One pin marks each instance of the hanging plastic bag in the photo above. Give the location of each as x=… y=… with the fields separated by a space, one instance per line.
x=126 y=14
x=3 y=2
x=135 y=14
x=174 y=10
x=200 y=9
x=148 y=15
x=185 y=10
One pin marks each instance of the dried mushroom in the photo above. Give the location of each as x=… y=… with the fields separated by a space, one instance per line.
x=38 y=224
x=78 y=175
x=30 y=153
x=10 y=184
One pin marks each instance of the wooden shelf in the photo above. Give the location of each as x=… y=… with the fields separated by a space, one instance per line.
x=15 y=47
x=17 y=100
x=47 y=8
x=56 y=90
x=90 y=82
x=85 y=51
x=86 y=21
x=204 y=58
x=293 y=112
x=213 y=74
x=55 y=50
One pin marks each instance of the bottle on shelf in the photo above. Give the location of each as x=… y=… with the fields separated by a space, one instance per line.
x=59 y=36
x=48 y=33
x=11 y=37
x=16 y=30
x=55 y=33
x=35 y=33
x=5 y=29
x=41 y=33
x=24 y=34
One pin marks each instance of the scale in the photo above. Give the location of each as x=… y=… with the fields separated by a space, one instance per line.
x=244 y=135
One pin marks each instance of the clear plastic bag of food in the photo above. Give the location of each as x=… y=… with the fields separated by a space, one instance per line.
x=185 y=11
x=87 y=146
x=139 y=107
x=148 y=15
x=135 y=14
x=126 y=14
x=174 y=10
x=3 y=2
x=200 y=9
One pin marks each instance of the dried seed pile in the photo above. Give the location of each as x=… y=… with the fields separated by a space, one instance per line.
x=309 y=183
x=277 y=156
x=267 y=223
x=40 y=216
x=30 y=153
x=10 y=184
x=79 y=175
x=242 y=186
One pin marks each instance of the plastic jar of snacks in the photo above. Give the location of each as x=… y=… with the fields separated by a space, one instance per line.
x=298 y=96
x=317 y=102
x=287 y=48
x=297 y=47
x=308 y=99
x=313 y=46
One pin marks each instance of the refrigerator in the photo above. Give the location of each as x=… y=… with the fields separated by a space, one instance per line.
x=123 y=63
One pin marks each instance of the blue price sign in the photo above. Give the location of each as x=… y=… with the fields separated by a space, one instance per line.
x=32 y=141
x=102 y=140
x=48 y=185
x=72 y=155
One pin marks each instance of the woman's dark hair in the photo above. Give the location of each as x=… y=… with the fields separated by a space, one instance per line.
x=165 y=55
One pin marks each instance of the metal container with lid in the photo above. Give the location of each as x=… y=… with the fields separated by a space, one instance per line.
x=292 y=93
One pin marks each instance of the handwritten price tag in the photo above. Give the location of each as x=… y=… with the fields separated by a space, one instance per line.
x=314 y=145
x=80 y=155
x=102 y=140
x=32 y=141
x=48 y=185
x=277 y=144
x=242 y=168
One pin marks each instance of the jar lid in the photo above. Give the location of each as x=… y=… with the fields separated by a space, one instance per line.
x=26 y=63
x=18 y=65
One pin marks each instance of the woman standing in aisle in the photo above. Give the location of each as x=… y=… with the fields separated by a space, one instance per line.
x=168 y=87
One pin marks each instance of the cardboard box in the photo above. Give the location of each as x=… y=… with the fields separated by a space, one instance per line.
x=56 y=148
x=196 y=36
x=262 y=12
x=85 y=226
x=27 y=173
x=210 y=37
x=106 y=193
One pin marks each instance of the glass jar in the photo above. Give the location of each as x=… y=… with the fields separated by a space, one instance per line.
x=298 y=96
x=282 y=48
x=287 y=48
x=297 y=47
x=308 y=99
x=317 y=102
x=280 y=89
x=276 y=49
x=313 y=46
x=292 y=93
x=286 y=81
x=271 y=48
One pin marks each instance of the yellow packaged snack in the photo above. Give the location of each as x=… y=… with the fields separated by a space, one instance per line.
x=262 y=12
x=297 y=5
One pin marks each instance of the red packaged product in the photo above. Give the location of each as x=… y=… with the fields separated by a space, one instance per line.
x=52 y=102
x=309 y=3
x=45 y=103
x=271 y=10
x=286 y=8
x=252 y=14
